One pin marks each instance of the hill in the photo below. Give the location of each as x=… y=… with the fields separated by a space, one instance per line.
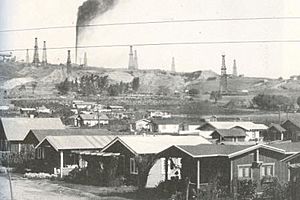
x=20 y=80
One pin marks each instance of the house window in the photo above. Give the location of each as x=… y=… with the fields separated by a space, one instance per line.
x=133 y=166
x=244 y=171
x=40 y=153
x=267 y=169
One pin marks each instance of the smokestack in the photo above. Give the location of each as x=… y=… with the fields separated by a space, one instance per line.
x=136 y=65
x=44 y=59
x=131 y=60
x=173 y=65
x=85 y=60
x=88 y=11
x=27 y=57
x=69 y=62
x=36 y=59
x=234 y=70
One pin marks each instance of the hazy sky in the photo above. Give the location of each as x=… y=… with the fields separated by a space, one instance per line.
x=268 y=59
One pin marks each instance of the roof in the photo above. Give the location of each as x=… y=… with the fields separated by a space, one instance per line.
x=95 y=153
x=17 y=128
x=294 y=121
x=101 y=116
x=76 y=142
x=277 y=127
x=204 y=150
x=230 y=132
x=40 y=134
x=153 y=144
x=162 y=121
x=289 y=147
x=213 y=150
x=244 y=125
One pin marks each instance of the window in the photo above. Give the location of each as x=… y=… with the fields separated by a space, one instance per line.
x=244 y=171
x=267 y=169
x=133 y=166
x=40 y=153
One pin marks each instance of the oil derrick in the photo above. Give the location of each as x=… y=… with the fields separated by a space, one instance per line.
x=131 y=60
x=136 y=65
x=234 y=70
x=44 y=58
x=173 y=65
x=27 y=57
x=36 y=59
x=223 y=79
x=85 y=60
x=69 y=66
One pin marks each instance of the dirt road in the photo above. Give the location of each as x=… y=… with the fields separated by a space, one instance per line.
x=4 y=187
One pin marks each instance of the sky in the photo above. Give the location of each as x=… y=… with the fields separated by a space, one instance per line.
x=264 y=60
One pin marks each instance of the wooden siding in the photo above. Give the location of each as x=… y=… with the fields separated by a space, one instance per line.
x=292 y=131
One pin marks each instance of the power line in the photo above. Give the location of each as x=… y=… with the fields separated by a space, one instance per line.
x=164 y=44
x=152 y=22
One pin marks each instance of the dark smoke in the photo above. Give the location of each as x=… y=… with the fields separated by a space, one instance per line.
x=88 y=11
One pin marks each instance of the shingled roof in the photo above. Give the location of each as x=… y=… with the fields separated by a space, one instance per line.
x=230 y=132
x=15 y=129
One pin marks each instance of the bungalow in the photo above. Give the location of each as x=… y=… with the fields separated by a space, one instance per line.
x=292 y=127
x=14 y=130
x=143 y=124
x=56 y=151
x=83 y=105
x=274 y=132
x=159 y=114
x=165 y=126
x=203 y=164
x=233 y=135
x=90 y=119
x=134 y=150
x=253 y=131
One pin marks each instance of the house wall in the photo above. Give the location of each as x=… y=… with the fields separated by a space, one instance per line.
x=193 y=127
x=94 y=122
x=252 y=135
x=273 y=134
x=293 y=132
x=168 y=128
x=142 y=125
x=266 y=156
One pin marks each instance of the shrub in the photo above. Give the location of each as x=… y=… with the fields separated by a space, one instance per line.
x=246 y=189
x=273 y=189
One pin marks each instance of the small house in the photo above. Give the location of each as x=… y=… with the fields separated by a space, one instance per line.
x=292 y=127
x=233 y=135
x=274 y=132
x=56 y=151
x=134 y=149
x=90 y=120
x=165 y=126
x=143 y=125
x=14 y=130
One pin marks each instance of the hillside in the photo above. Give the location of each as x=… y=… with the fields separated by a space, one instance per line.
x=19 y=80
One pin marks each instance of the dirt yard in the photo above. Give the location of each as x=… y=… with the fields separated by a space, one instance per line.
x=26 y=189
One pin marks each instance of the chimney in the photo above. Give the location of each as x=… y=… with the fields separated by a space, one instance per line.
x=234 y=70
x=69 y=62
x=136 y=65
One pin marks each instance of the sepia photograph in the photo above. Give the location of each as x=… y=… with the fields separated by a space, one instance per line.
x=149 y=100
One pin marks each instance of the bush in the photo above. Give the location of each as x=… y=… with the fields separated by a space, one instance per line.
x=273 y=189
x=246 y=189
x=40 y=176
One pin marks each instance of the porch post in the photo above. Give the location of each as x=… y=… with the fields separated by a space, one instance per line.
x=61 y=163
x=166 y=168
x=198 y=174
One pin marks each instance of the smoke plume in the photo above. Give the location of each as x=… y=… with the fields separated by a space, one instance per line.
x=88 y=11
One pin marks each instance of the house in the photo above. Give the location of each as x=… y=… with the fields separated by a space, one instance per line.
x=116 y=108
x=203 y=164
x=56 y=151
x=27 y=111
x=158 y=114
x=165 y=126
x=274 y=132
x=83 y=105
x=134 y=149
x=253 y=131
x=233 y=135
x=43 y=109
x=143 y=124
x=90 y=119
x=14 y=130
x=292 y=127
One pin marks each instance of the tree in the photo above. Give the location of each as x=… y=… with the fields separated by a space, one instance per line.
x=63 y=87
x=272 y=102
x=215 y=95
x=33 y=85
x=136 y=83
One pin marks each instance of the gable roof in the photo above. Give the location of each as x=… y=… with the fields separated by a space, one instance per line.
x=75 y=142
x=289 y=147
x=244 y=125
x=153 y=144
x=40 y=134
x=213 y=150
x=278 y=127
x=16 y=129
x=294 y=121
x=230 y=132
